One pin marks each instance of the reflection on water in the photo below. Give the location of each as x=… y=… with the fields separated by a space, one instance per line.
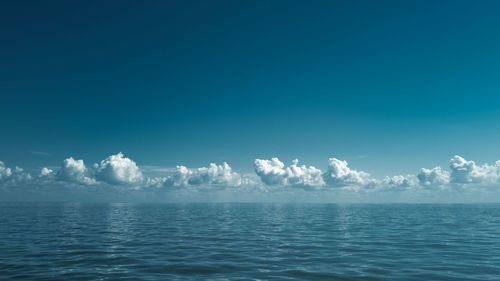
x=248 y=241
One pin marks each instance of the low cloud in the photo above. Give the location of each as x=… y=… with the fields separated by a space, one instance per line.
x=118 y=172
x=398 y=182
x=5 y=172
x=114 y=170
x=463 y=171
x=274 y=172
x=117 y=169
x=433 y=177
x=13 y=176
x=74 y=171
x=46 y=172
x=214 y=174
x=339 y=174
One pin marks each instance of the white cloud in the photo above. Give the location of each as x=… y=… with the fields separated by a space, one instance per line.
x=117 y=169
x=212 y=175
x=463 y=171
x=5 y=172
x=273 y=172
x=433 y=177
x=338 y=175
x=46 y=172
x=74 y=171
x=13 y=177
x=303 y=175
x=398 y=182
x=119 y=173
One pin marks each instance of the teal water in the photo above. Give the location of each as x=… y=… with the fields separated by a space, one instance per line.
x=68 y=241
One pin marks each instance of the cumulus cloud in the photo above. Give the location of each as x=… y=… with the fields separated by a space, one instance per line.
x=271 y=172
x=117 y=169
x=339 y=174
x=274 y=172
x=463 y=171
x=303 y=175
x=74 y=171
x=212 y=175
x=121 y=173
x=13 y=177
x=46 y=172
x=398 y=182
x=5 y=172
x=433 y=177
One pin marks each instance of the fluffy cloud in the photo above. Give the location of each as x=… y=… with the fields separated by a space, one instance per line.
x=212 y=175
x=463 y=171
x=303 y=175
x=273 y=172
x=398 y=182
x=5 y=172
x=338 y=174
x=122 y=172
x=433 y=177
x=13 y=177
x=46 y=172
x=117 y=169
x=74 y=171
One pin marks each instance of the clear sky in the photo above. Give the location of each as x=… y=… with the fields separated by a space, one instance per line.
x=389 y=86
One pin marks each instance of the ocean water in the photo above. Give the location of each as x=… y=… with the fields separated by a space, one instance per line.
x=68 y=241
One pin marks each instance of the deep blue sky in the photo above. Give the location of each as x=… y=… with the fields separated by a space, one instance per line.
x=390 y=86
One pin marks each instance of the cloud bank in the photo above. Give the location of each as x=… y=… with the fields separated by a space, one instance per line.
x=118 y=172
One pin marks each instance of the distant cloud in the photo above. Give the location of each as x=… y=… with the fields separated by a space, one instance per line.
x=338 y=174
x=13 y=177
x=271 y=172
x=74 y=171
x=433 y=177
x=274 y=172
x=117 y=169
x=463 y=171
x=46 y=172
x=212 y=175
x=117 y=172
x=5 y=172
x=114 y=170
x=397 y=182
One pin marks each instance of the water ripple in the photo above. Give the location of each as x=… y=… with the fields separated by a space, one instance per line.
x=59 y=241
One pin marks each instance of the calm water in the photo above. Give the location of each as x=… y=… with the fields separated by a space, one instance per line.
x=249 y=241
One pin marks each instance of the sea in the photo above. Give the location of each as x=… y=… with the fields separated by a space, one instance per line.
x=249 y=241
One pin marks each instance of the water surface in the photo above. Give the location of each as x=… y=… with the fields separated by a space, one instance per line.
x=61 y=241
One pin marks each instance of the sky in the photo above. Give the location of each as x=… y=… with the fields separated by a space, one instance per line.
x=388 y=86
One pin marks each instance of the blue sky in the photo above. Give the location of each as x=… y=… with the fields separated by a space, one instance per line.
x=389 y=86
